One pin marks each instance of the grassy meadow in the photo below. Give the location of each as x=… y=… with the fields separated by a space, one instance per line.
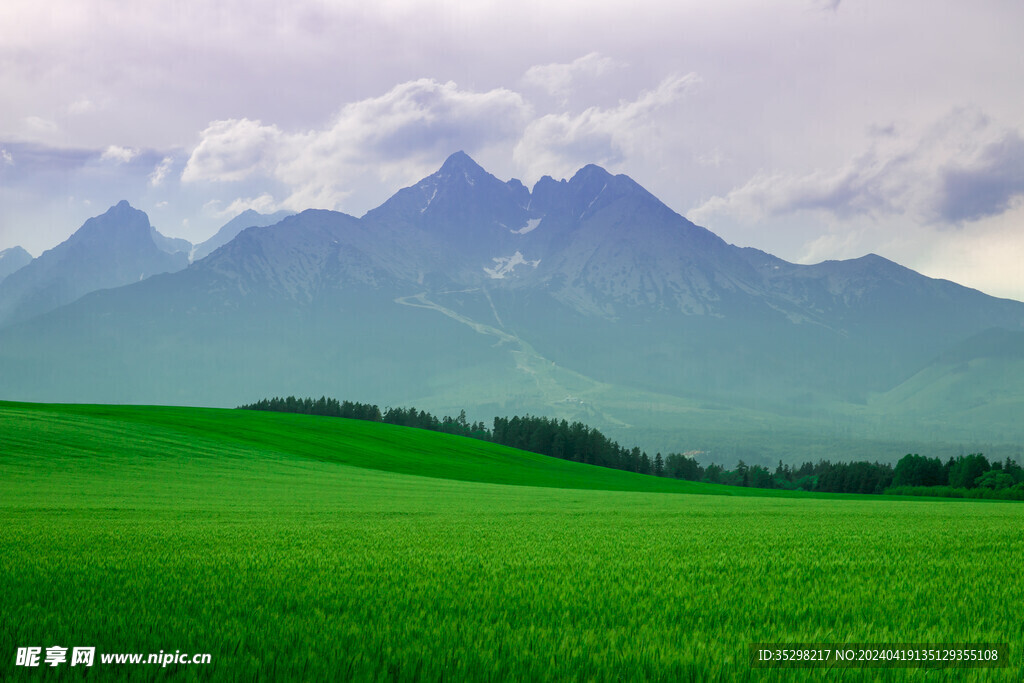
x=292 y=547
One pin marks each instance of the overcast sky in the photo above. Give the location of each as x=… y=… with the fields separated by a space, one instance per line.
x=812 y=129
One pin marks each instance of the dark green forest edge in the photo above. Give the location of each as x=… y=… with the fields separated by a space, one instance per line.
x=967 y=476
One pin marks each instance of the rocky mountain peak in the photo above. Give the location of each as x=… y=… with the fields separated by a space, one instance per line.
x=13 y=259
x=120 y=223
x=460 y=162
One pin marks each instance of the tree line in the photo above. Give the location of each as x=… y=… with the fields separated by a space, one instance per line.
x=404 y=417
x=965 y=476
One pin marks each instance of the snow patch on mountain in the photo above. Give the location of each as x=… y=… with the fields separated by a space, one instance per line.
x=429 y=200
x=596 y=196
x=505 y=265
x=530 y=225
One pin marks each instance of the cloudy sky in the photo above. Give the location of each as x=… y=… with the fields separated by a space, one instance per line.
x=813 y=129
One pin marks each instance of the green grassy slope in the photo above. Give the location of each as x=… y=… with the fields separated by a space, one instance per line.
x=152 y=431
x=245 y=535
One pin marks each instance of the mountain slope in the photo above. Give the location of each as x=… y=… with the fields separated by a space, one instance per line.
x=977 y=381
x=170 y=245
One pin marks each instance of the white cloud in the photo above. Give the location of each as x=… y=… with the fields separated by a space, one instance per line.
x=402 y=135
x=961 y=168
x=7 y=157
x=233 y=149
x=81 y=106
x=40 y=126
x=395 y=138
x=561 y=143
x=118 y=154
x=160 y=171
x=558 y=79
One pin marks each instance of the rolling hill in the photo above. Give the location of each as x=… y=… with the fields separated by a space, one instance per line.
x=294 y=547
x=80 y=433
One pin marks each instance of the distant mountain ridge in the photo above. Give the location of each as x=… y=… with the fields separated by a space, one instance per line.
x=586 y=298
x=116 y=248
x=247 y=219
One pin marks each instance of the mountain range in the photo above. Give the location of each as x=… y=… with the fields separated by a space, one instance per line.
x=585 y=298
x=114 y=249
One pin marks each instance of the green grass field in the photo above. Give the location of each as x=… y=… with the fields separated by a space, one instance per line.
x=303 y=548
